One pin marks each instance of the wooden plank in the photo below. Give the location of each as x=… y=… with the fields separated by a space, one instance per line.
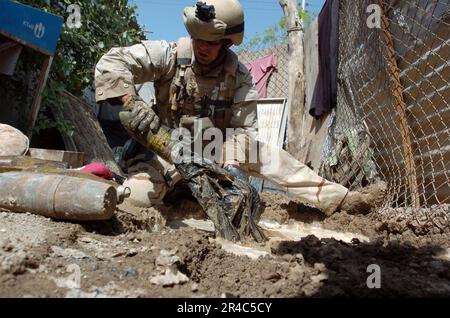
x=437 y=43
x=9 y=55
x=296 y=73
x=45 y=69
x=311 y=47
x=435 y=160
x=428 y=116
x=311 y=62
x=73 y=159
x=436 y=188
x=433 y=141
x=314 y=131
x=431 y=74
x=427 y=90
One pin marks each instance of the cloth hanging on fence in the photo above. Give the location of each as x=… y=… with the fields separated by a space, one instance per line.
x=325 y=92
x=261 y=70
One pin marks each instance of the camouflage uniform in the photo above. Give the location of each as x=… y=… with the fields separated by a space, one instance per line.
x=222 y=91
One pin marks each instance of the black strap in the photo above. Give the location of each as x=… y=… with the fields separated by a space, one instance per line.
x=221 y=104
x=236 y=29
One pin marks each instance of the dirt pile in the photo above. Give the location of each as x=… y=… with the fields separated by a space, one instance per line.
x=137 y=254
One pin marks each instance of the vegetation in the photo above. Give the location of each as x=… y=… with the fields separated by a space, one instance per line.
x=276 y=35
x=102 y=24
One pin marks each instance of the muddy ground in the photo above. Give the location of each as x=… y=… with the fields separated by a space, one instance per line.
x=153 y=253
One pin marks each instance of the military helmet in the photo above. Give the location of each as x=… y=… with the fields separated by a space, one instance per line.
x=213 y=20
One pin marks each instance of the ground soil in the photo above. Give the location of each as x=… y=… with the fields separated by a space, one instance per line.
x=146 y=253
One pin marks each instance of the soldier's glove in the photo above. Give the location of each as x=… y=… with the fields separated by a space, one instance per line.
x=237 y=172
x=139 y=119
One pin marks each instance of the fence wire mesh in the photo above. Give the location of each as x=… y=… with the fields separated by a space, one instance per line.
x=392 y=116
x=278 y=83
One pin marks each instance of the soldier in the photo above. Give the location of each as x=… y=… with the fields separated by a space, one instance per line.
x=200 y=77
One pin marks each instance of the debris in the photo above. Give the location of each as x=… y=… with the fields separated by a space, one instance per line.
x=85 y=239
x=232 y=204
x=116 y=254
x=68 y=252
x=131 y=272
x=171 y=276
x=132 y=252
x=167 y=258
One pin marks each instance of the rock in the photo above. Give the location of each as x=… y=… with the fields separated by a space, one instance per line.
x=116 y=254
x=274 y=277
x=167 y=258
x=171 y=277
x=68 y=252
x=132 y=252
x=6 y=245
x=85 y=239
x=318 y=278
x=131 y=272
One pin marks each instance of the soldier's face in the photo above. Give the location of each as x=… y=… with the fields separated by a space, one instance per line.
x=206 y=52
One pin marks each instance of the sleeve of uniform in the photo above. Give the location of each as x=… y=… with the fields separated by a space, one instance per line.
x=120 y=69
x=244 y=118
x=245 y=102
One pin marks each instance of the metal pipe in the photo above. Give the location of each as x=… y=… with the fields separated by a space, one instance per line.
x=57 y=196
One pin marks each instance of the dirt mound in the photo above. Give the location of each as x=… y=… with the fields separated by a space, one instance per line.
x=404 y=269
x=387 y=224
x=136 y=254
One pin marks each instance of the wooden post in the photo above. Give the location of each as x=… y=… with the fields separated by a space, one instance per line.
x=296 y=101
x=400 y=107
x=45 y=69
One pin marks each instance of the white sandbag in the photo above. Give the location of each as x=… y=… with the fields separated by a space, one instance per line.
x=12 y=141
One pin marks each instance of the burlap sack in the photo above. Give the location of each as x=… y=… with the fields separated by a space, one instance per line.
x=12 y=141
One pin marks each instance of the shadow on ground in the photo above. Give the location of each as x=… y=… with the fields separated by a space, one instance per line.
x=406 y=271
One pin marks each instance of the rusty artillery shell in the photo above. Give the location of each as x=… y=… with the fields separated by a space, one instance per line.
x=57 y=196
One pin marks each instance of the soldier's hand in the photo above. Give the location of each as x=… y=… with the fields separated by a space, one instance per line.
x=139 y=118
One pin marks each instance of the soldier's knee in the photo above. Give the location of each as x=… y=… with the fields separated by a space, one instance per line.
x=147 y=188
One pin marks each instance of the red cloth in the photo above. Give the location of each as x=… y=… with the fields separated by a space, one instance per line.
x=261 y=70
x=98 y=170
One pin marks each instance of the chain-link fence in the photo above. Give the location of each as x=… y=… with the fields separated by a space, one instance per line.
x=392 y=116
x=278 y=82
